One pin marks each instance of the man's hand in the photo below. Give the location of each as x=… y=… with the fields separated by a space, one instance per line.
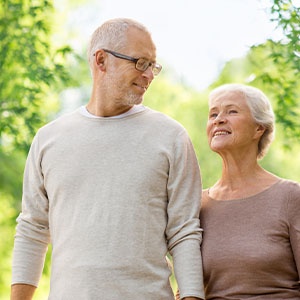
x=177 y=297
x=22 y=292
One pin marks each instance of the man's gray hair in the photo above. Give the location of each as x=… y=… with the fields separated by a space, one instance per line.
x=111 y=35
x=260 y=108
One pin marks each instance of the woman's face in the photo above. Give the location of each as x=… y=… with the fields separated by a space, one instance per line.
x=230 y=126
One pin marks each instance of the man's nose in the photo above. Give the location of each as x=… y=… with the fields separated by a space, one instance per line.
x=148 y=73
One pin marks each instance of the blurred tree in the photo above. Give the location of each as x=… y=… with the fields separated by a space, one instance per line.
x=32 y=71
x=274 y=66
x=29 y=65
x=280 y=70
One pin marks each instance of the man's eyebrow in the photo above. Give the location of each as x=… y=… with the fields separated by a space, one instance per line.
x=145 y=56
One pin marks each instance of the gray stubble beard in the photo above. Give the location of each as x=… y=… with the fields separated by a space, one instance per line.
x=128 y=99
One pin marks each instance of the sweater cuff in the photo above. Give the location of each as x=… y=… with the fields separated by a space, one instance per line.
x=188 y=268
x=28 y=261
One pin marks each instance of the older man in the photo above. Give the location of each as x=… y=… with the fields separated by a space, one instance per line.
x=113 y=187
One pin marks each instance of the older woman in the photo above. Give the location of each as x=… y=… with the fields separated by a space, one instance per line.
x=250 y=217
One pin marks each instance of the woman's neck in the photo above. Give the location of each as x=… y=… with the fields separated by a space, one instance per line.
x=242 y=176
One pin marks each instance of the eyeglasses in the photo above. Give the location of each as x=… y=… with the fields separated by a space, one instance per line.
x=141 y=64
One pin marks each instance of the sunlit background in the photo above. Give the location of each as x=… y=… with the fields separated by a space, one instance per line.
x=194 y=38
x=201 y=44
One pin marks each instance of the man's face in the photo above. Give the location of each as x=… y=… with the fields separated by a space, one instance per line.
x=126 y=84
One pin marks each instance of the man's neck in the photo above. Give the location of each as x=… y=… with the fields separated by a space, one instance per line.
x=102 y=110
x=102 y=104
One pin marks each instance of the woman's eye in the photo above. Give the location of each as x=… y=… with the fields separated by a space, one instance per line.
x=213 y=115
x=232 y=111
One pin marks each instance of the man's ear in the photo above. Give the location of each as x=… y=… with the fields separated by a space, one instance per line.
x=100 y=59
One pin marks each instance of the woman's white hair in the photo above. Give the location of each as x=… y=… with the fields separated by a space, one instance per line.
x=260 y=108
x=111 y=35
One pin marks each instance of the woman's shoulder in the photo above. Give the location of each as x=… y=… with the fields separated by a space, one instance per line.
x=289 y=186
x=291 y=189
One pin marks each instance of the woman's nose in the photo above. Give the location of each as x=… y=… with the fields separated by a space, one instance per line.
x=220 y=119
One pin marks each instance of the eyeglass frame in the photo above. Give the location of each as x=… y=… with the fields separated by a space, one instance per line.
x=135 y=60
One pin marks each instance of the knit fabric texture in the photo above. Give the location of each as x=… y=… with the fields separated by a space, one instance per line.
x=251 y=246
x=112 y=196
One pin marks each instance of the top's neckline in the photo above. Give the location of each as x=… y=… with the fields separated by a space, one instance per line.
x=135 y=114
x=249 y=197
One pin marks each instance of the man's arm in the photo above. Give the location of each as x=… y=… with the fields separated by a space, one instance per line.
x=32 y=231
x=22 y=292
x=183 y=231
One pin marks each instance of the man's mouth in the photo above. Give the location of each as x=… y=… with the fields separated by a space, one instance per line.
x=143 y=87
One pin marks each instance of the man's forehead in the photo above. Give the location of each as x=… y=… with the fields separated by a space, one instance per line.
x=140 y=44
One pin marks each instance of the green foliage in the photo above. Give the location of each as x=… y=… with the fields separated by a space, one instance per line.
x=32 y=71
x=7 y=225
x=29 y=67
x=282 y=81
x=283 y=78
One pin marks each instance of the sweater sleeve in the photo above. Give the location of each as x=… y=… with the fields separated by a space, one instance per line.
x=294 y=224
x=32 y=231
x=183 y=231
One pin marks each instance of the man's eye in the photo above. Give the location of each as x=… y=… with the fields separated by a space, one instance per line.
x=142 y=64
x=213 y=115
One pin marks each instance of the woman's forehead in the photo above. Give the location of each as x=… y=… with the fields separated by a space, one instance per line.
x=227 y=98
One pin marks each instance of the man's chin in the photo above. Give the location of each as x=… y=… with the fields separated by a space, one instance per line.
x=139 y=101
x=134 y=101
x=130 y=99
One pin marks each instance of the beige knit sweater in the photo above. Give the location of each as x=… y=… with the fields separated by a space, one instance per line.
x=112 y=196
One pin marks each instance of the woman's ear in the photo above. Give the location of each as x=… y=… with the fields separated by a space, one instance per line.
x=260 y=131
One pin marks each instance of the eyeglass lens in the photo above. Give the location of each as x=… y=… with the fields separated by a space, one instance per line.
x=142 y=65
